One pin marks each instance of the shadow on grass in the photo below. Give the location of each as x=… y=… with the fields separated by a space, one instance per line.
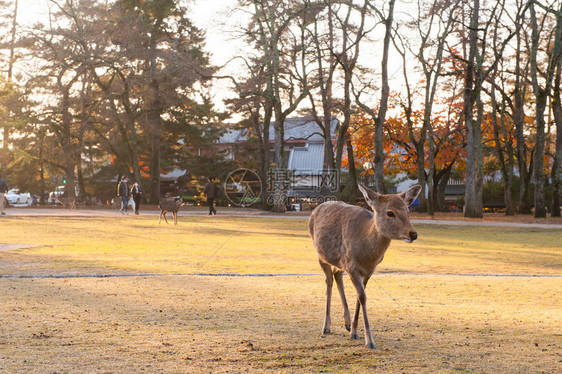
x=244 y=325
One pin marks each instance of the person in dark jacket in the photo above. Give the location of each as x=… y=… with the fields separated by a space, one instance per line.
x=123 y=191
x=3 y=190
x=136 y=193
x=211 y=193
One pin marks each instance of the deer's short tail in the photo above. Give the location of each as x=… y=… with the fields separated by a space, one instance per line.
x=311 y=225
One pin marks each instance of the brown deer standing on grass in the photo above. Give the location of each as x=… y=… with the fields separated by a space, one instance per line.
x=172 y=205
x=351 y=239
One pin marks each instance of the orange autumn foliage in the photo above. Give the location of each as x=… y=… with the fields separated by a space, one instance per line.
x=399 y=149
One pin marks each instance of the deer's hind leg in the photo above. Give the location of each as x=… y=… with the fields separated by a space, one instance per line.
x=338 y=276
x=355 y=322
x=329 y=283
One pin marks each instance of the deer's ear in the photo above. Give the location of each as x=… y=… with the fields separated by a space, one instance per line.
x=371 y=197
x=410 y=195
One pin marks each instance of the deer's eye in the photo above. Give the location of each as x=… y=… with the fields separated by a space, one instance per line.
x=390 y=214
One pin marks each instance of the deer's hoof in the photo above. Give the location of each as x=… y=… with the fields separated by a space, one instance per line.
x=370 y=345
x=326 y=331
x=348 y=327
x=354 y=335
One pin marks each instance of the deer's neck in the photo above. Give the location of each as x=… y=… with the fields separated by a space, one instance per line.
x=380 y=242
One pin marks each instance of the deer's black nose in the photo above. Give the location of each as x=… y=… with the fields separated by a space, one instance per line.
x=413 y=235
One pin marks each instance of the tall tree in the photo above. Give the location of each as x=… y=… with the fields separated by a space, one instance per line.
x=61 y=74
x=379 y=116
x=169 y=48
x=510 y=80
x=326 y=63
x=113 y=75
x=557 y=165
x=542 y=92
x=285 y=69
x=252 y=104
x=479 y=65
x=352 y=37
x=504 y=150
x=433 y=26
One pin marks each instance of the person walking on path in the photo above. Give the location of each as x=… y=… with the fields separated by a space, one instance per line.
x=136 y=193
x=211 y=191
x=123 y=191
x=3 y=190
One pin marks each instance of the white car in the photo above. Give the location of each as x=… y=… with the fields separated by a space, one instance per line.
x=15 y=197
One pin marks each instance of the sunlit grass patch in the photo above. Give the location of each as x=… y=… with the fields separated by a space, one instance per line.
x=259 y=245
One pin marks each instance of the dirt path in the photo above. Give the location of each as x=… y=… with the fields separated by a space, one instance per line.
x=53 y=212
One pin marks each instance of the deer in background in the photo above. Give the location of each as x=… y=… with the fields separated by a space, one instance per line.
x=68 y=201
x=171 y=205
x=351 y=239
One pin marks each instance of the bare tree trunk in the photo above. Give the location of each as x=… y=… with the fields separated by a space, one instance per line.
x=154 y=119
x=506 y=169
x=279 y=189
x=519 y=94
x=42 y=184
x=265 y=154
x=519 y=122
x=557 y=166
x=325 y=83
x=471 y=205
x=431 y=174
x=422 y=176
x=385 y=91
x=156 y=133
x=441 y=205
x=541 y=96
x=352 y=171
x=79 y=174
x=479 y=154
x=67 y=141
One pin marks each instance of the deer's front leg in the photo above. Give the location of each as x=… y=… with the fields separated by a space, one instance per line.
x=360 y=284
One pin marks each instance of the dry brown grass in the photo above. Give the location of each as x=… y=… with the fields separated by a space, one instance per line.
x=422 y=323
x=211 y=324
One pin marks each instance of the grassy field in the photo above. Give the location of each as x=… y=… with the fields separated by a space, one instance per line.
x=427 y=315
